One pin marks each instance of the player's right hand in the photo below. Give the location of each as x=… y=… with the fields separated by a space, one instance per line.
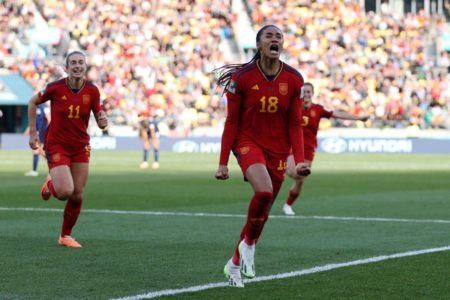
x=222 y=173
x=34 y=141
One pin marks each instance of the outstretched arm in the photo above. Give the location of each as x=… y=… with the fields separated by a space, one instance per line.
x=346 y=116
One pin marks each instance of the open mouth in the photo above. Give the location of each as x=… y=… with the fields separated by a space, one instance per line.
x=274 y=49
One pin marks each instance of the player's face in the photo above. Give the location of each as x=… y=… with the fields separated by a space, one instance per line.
x=307 y=93
x=271 y=43
x=76 y=66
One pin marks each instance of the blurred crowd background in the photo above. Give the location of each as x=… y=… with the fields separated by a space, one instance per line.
x=155 y=57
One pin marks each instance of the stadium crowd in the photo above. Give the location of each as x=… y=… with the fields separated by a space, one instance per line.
x=157 y=56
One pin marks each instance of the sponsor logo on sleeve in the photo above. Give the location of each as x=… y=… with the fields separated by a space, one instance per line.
x=232 y=87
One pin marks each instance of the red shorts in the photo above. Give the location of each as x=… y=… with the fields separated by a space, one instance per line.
x=248 y=153
x=59 y=155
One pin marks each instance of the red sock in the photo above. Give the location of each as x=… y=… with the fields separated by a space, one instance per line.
x=52 y=189
x=257 y=214
x=291 y=198
x=71 y=213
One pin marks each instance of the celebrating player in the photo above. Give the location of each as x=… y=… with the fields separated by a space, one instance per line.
x=67 y=141
x=312 y=113
x=263 y=123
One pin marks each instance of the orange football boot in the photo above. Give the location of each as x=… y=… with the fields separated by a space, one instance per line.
x=45 y=191
x=68 y=241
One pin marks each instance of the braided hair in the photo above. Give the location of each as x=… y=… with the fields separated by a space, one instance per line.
x=225 y=72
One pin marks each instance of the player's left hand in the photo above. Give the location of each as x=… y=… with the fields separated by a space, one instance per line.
x=34 y=141
x=222 y=173
x=102 y=120
x=303 y=169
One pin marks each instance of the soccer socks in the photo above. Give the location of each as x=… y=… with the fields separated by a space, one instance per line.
x=145 y=155
x=71 y=213
x=291 y=198
x=256 y=218
x=258 y=209
x=35 y=161
x=156 y=155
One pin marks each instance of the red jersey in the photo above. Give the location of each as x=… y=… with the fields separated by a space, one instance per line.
x=266 y=111
x=70 y=111
x=310 y=123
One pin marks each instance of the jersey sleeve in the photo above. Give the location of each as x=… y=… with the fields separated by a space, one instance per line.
x=233 y=96
x=96 y=106
x=45 y=94
x=295 y=127
x=325 y=113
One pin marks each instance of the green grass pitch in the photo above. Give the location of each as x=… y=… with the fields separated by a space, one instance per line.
x=149 y=230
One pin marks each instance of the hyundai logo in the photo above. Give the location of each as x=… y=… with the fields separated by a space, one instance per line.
x=334 y=145
x=185 y=146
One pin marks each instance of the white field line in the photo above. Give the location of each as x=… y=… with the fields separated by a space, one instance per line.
x=297 y=273
x=194 y=214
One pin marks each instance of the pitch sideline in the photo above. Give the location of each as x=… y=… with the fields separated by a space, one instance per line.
x=297 y=273
x=194 y=214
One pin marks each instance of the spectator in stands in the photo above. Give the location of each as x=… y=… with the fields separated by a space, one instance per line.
x=346 y=52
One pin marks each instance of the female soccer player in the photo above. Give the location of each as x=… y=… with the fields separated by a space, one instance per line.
x=312 y=113
x=263 y=123
x=149 y=134
x=67 y=141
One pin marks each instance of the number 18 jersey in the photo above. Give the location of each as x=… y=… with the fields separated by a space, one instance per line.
x=265 y=109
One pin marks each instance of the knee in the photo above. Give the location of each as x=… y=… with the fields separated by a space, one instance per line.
x=63 y=192
x=76 y=197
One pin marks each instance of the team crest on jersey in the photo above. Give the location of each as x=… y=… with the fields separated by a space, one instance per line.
x=56 y=157
x=86 y=99
x=232 y=87
x=313 y=113
x=283 y=88
x=244 y=150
